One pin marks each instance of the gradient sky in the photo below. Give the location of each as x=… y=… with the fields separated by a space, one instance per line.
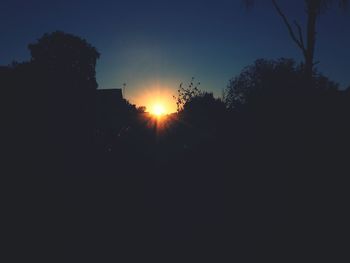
x=160 y=44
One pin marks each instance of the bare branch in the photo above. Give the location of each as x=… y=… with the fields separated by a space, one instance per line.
x=289 y=27
x=301 y=38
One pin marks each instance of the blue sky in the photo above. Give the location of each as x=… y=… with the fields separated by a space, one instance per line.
x=164 y=43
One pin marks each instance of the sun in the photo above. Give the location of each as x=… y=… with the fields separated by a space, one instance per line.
x=158 y=110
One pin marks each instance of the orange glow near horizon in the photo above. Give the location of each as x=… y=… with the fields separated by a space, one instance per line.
x=158 y=99
x=158 y=109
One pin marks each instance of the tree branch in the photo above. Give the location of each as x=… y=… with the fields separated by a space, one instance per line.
x=289 y=27
x=301 y=39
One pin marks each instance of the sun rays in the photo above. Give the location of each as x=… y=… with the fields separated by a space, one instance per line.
x=157 y=98
x=158 y=109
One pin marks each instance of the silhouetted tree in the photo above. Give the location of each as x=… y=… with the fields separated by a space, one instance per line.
x=186 y=93
x=68 y=63
x=270 y=81
x=64 y=86
x=67 y=53
x=200 y=109
x=204 y=116
x=141 y=109
x=204 y=106
x=314 y=8
x=50 y=100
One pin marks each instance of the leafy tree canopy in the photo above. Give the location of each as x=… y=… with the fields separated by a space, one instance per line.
x=271 y=79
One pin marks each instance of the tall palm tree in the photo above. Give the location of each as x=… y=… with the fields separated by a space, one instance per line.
x=313 y=10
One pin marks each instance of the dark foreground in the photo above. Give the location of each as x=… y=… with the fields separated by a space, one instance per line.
x=258 y=175
x=151 y=194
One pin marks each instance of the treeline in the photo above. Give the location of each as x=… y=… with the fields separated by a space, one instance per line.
x=272 y=103
x=270 y=107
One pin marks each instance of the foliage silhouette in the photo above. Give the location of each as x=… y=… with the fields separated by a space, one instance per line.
x=186 y=93
x=52 y=101
x=67 y=67
x=273 y=80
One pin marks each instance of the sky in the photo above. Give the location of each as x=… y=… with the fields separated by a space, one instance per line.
x=157 y=44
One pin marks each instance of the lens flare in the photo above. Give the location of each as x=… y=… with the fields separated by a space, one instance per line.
x=156 y=96
x=158 y=110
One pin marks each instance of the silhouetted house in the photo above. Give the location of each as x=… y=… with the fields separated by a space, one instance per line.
x=110 y=107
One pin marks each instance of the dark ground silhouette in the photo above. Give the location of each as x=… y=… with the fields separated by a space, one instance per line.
x=259 y=174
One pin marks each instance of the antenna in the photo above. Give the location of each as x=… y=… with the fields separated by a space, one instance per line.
x=124 y=87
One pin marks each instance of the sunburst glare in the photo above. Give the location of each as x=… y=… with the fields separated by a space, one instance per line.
x=158 y=109
x=157 y=97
